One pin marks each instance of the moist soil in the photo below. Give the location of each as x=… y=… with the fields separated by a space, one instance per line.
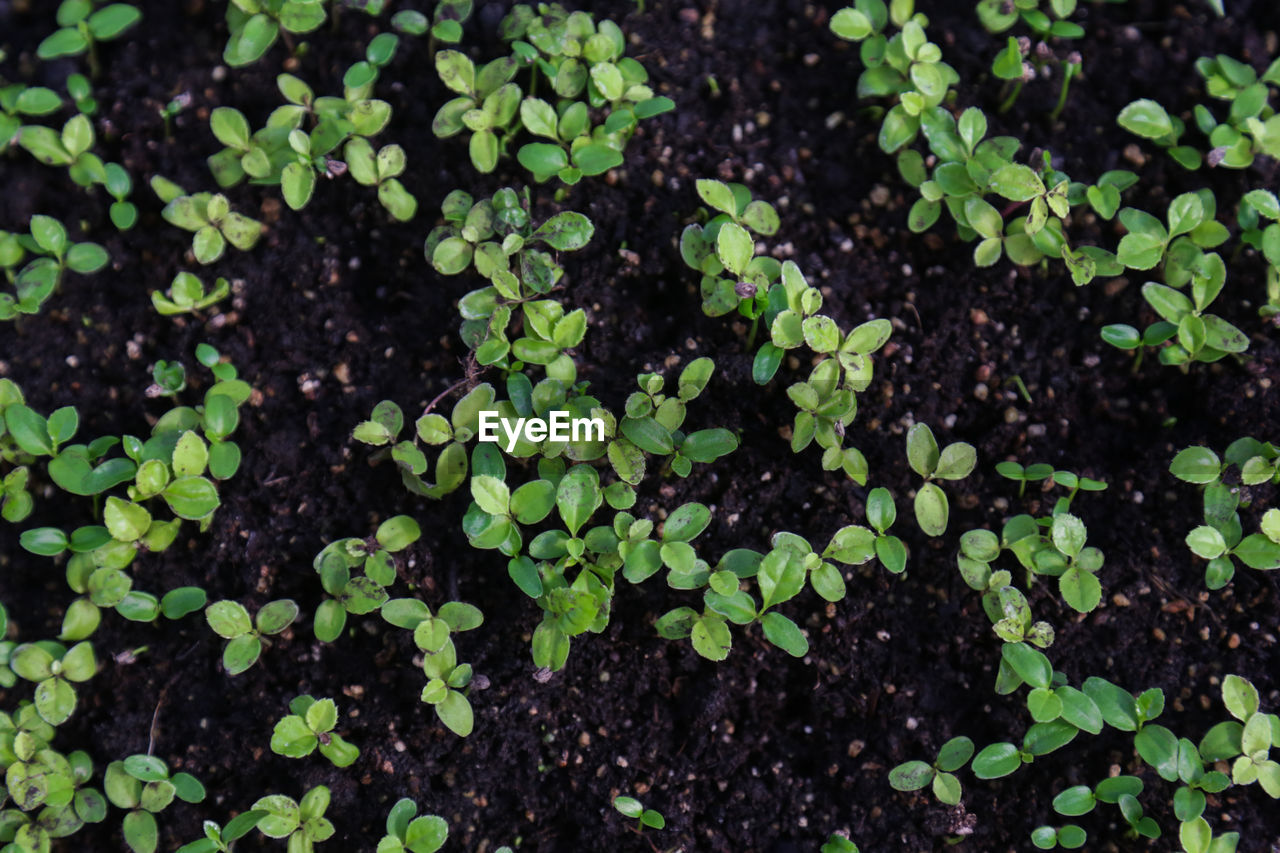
x=336 y=309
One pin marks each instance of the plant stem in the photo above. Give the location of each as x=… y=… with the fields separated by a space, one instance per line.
x=1008 y=102
x=1072 y=69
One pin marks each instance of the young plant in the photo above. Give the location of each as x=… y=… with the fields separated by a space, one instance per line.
x=445 y=24
x=187 y=295
x=954 y=462
x=409 y=834
x=256 y=24
x=582 y=62
x=359 y=595
x=310 y=726
x=881 y=514
x=82 y=27
x=220 y=839
x=143 y=785
x=44 y=786
x=914 y=775
x=631 y=807
x=723 y=250
x=41 y=276
x=1221 y=537
x=54 y=668
x=210 y=216
x=303 y=823
x=245 y=637
x=447 y=679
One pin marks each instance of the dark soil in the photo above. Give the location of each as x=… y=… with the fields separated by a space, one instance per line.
x=335 y=310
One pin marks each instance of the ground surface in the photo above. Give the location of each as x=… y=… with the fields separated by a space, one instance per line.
x=762 y=752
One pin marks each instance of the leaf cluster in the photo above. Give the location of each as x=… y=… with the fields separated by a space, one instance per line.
x=1248 y=463
x=582 y=62
x=34 y=263
x=311 y=725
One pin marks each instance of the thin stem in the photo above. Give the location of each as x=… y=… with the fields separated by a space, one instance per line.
x=1071 y=70
x=1008 y=102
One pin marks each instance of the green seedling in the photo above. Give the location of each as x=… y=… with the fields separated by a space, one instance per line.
x=187 y=295
x=447 y=679
x=40 y=277
x=143 y=785
x=256 y=24
x=1221 y=538
x=826 y=400
x=1068 y=837
x=723 y=250
x=361 y=594
x=914 y=775
x=44 y=787
x=409 y=834
x=303 y=140
x=82 y=27
x=1146 y=118
x=303 y=823
x=54 y=668
x=581 y=62
x=210 y=216
x=498 y=237
x=81 y=92
x=631 y=807
x=310 y=726
x=387 y=422
x=245 y=637
x=955 y=462
x=220 y=839
x=881 y=514
x=1045 y=18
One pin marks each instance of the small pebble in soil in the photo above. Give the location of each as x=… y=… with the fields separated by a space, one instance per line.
x=981 y=391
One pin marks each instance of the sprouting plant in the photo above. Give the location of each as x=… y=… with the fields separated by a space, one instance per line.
x=245 y=638
x=82 y=27
x=409 y=834
x=46 y=789
x=54 y=668
x=143 y=785
x=997 y=16
x=581 y=62
x=1041 y=471
x=1221 y=538
x=187 y=294
x=914 y=775
x=723 y=250
x=303 y=139
x=310 y=726
x=881 y=514
x=81 y=92
x=387 y=422
x=256 y=24
x=303 y=823
x=39 y=278
x=631 y=807
x=447 y=679
x=210 y=216
x=381 y=170
x=827 y=399
x=360 y=594
x=954 y=462
x=1251 y=127
x=219 y=839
